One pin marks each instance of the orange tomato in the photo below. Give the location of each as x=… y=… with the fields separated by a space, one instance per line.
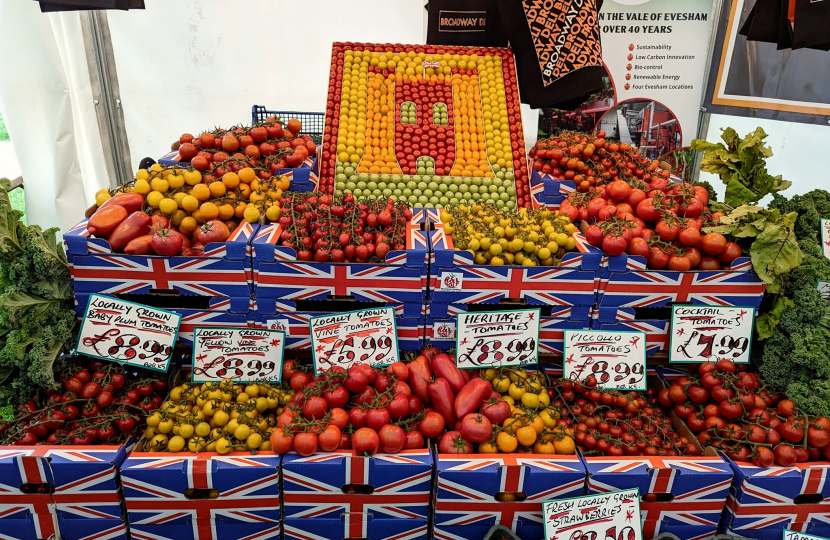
x=506 y=442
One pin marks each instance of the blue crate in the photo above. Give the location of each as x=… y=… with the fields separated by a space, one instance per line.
x=549 y=192
x=312 y=122
x=624 y=320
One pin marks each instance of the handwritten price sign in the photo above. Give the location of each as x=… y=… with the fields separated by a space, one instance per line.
x=609 y=516
x=498 y=338
x=239 y=354
x=795 y=535
x=709 y=333
x=369 y=336
x=616 y=359
x=128 y=333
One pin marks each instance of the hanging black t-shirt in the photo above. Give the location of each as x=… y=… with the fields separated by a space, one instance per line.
x=811 y=21
x=557 y=48
x=471 y=23
x=764 y=22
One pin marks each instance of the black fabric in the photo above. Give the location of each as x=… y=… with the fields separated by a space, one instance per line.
x=557 y=49
x=810 y=28
x=764 y=21
x=83 y=5
x=465 y=23
x=784 y=30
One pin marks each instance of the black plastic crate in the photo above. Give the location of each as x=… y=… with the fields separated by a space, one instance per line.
x=312 y=121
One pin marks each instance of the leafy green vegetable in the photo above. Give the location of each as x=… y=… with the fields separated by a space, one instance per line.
x=765 y=323
x=741 y=165
x=37 y=316
x=774 y=248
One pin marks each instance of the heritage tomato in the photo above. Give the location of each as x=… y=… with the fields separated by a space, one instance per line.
x=452 y=442
x=213 y=231
x=476 y=428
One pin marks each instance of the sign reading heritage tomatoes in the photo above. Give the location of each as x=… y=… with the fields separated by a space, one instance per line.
x=367 y=336
x=710 y=333
x=128 y=333
x=616 y=359
x=239 y=354
x=614 y=515
x=497 y=339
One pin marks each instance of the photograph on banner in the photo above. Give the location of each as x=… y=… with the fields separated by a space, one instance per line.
x=242 y=355
x=711 y=333
x=128 y=333
x=369 y=336
x=643 y=123
x=616 y=359
x=798 y=535
x=607 y=515
x=654 y=51
x=497 y=338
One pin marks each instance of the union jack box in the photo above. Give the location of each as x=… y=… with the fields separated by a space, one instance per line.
x=548 y=191
x=456 y=279
x=224 y=271
x=467 y=487
x=195 y=311
x=625 y=320
x=440 y=331
x=401 y=279
x=689 y=492
x=303 y=178
x=627 y=283
x=203 y=496
x=764 y=502
x=284 y=315
x=85 y=499
x=338 y=495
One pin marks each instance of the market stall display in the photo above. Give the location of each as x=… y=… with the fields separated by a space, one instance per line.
x=429 y=125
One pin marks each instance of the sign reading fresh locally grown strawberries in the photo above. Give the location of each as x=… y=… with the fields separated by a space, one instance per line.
x=616 y=359
x=128 y=333
x=613 y=515
x=709 y=333
x=368 y=336
x=498 y=338
x=239 y=354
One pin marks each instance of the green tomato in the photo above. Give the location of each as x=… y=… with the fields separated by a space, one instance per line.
x=476 y=181
x=493 y=189
x=510 y=204
x=464 y=188
x=509 y=175
x=474 y=188
x=443 y=201
x=454 y=201
x=431 y=171
x=372 y=185
x=417 y=192
x=412 y=199
x=487 y=181
x=453 y=188
x=357 y=192
x=363 y=177
x=396 y=178
x=511 y=190
x=422 y=171
x=374 y=177
x=495 y=167
x=428 y=192
x=500 y=175
x=387 y=192
x=423 y=199
x=457 y=180
x=406 y=192
x=422 y=185
x=351 y=186
x=377 y=193
x=412 y=184
x=397 y=192
x=500 y=203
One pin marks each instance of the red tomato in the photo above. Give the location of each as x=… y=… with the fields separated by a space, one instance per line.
x=392 y=438
x=614 y=245
x=339 y=418
x=731 y=252
x=432 y=425
x=713 y=243
x=414 y=440
x=165 y=243
x=305 y=444
x=785 y=455
x=679 y=263
x=689 y=236
x=300 y=380
x=708 y=263
x=315 y=408
x=365 y=441
x=476 y=427
x=377 y=418
x=496 y=410
x=329 y=439
x=453 y=443
x=212 y=231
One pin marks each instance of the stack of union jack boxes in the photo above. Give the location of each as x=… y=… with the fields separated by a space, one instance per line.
x=338 y=495
x=565 y=293
x=764 y=502
x=549 y=192
x=303 y=178
x=214 y=290
x=290 y=292
x=203 y=496
x=472 y=489
x=627 y=286
x=79 y=492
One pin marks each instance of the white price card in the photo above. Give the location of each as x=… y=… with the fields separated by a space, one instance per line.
x=128 y=333
x=606 y=516
x=710 y=333
x=824 y=288
x=616 y=359
x=239 y=354
x=825 y=237
x=796 y=535
x=497 y=339
x=369 y=336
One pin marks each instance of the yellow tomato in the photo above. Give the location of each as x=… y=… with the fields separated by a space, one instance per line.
x=193 y=177
x=176 y=181
x=544 y=448
x=488 y=448
x=201 y=192
x=564 y=446
x=167 y=206
x=526 y=435
x=154 y=198
x=159 y=184
x=176 y=444
x=516 y=391
x=530 y=400
x=506 y=442
x=251 y=214
x=501 y=384
x=223 y=446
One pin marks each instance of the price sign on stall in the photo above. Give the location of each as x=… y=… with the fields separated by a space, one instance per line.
x=795 y=535
x=608 y=516
x=616 y=359
x=128 y=333
x=369 y=336
x=709 y=333
x=825 y=237
x=240 y=354
x=497 y=339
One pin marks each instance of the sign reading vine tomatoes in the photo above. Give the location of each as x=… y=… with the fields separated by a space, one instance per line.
x=366 y=336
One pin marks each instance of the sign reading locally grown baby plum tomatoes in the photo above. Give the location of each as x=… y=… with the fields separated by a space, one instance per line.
x=497 y=339
x=710 y=333
x=128 y=333
x=607 y=516
x=368 y=336
x=616 y=359
x=240 y=354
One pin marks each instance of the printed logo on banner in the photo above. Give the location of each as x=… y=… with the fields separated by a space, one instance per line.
x=443 y=330
x=451 y=281
x=825 y=237
x=277 y=324
x=369 y=336
x=616 y=359
x=497 y=339
x=710 y=333
x=128 y=333
x=462 y=21
x=240 y=354
x=608 y=515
